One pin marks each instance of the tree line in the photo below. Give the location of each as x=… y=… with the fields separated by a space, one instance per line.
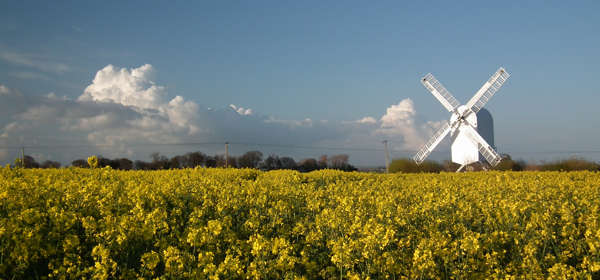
x=254 y=159
x=251 y=159
x=406 y=165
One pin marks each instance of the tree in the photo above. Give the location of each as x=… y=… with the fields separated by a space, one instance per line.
x=288 y=163
x=507 y=163
x=571 y=164
x=430 y=166
x=403 y=165
x=409 y=166
x=50 y=164
x=194 y=159
x=122 y=163
x=450 y=166
x=250 y=159
x=272 y=162
x=307 y=165
x=233 y=162
x=176 y=162
x=142 y=165
x=322 y=163
x=103 y=162
x=212 y=161
x=340 y=162
x=81 y=163
x=159 y=161
x=29 y=162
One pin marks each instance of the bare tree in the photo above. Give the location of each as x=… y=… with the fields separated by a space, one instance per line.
x=195 y=159
x=322 y=163
x=288 y=163
x=272 y=162
x=250 y=159
x=307 y=165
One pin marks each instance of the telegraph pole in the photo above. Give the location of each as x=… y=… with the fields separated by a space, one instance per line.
x=387 y=157
x=23 y=157
x=226 y=154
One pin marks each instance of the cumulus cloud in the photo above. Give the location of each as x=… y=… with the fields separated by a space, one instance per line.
x=123 y=109
x=129 y=87
x=399 y=121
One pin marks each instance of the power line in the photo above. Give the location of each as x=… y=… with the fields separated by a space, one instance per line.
x=285 y=146
x=192 y=144
x=307 y=147
x=108 y=145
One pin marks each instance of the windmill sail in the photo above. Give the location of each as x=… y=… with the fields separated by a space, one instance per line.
x=488 y=90
x=440 y=92
x=492 y=157
x=432 y=143
x=467 y=144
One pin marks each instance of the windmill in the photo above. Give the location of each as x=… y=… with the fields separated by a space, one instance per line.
x=466 y=141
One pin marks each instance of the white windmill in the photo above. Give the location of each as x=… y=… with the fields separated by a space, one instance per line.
x=466 y=141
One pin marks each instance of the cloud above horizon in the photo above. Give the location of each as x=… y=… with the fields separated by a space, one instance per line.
x=123 y=108
x=37 y=62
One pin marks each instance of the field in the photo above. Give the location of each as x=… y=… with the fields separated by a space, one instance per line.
x=224 y=224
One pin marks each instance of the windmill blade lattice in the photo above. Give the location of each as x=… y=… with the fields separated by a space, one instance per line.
x=440 y=92
x=485 y=93
x=467 y=144
x=437 y=137
x=492 y=157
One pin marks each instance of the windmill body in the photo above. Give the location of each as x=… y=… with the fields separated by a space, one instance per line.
x=464 y=150
x=467 y=143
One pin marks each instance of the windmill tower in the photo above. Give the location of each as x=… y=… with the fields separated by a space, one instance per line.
x=467 y=143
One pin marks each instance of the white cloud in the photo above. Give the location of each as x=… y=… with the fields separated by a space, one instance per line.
x=307 y=122
x=123 y=109
x=399 y=122
x=25 y=75
x=367 y=120
x=34 y=61
x=38 y=113
x=130 y=87
x=95 y=123
x=53 y=95
x=399 y=115
x=241 y=110
x=183 y=114
x=4 y=90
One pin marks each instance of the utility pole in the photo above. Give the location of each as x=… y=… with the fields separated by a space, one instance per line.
x=23 y=157
x=226 y=154
x=387 y=156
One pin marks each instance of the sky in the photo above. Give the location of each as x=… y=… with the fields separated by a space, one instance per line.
x=297 y=78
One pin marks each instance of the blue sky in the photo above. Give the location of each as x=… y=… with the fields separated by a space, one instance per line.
x=327 y=60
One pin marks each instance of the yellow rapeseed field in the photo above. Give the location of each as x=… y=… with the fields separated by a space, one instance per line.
x=246 y=224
